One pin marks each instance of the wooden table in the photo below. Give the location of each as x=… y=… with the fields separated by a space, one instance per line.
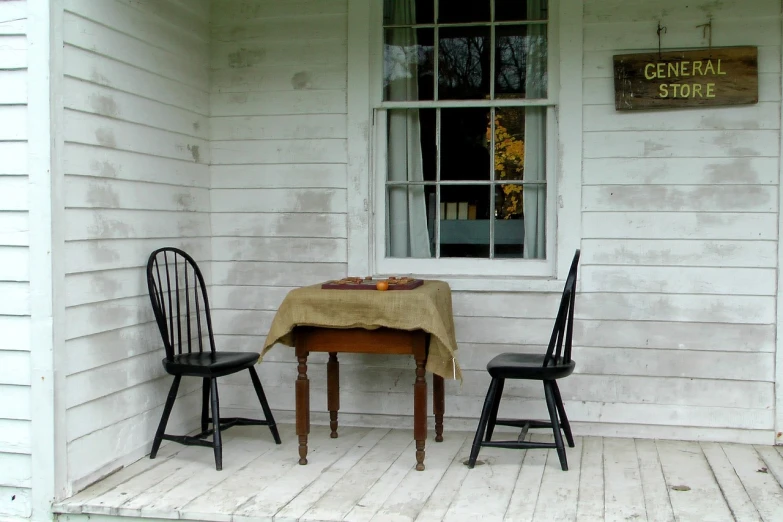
x=359 y=340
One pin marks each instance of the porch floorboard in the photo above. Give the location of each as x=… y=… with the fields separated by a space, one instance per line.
x=367 y=474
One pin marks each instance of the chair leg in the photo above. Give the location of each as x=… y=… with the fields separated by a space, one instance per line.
x=164 y=419
x=216 y=440
x=205 y=405
x=563 y=418
x=264 y=404
x=482 y=425
x=493 y=414
x=552 y=407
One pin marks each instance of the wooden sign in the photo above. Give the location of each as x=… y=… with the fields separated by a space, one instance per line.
x=678 y=79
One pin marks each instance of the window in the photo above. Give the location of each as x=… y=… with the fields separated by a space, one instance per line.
x=463 y=119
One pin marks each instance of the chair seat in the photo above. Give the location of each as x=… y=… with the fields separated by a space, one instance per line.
x=209 y=364
x=527 y=366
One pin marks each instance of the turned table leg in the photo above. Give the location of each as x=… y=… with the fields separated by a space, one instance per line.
x=302 y=405
x=333 y=391
x=420 y=411
x=438 y=405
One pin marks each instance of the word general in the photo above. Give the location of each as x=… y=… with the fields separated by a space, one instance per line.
x=683 y=69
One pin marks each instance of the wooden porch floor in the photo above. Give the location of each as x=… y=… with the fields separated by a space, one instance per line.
x=367 y=474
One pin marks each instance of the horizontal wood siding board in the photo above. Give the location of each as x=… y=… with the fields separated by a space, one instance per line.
x=629 y=11
x=122 y=17
x=101 y=223
x=254 y=224
x=662 y=198
x=84 y=192
x=85 y=34
x=136 y=162
x=679 y=253
x=108 y=72
x=88 y=97
x=291 y=175
x=679 y=225
x=100 y=162
x=679 y=280
x=109 y=254
x=687 y=144
x=123 y=404
x=681 y=171
x=275 y=78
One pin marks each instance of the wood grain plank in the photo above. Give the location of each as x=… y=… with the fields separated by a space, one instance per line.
x=557 y=499
x=492 y=481
x=361 y=478
x=761 y=486
x=684 y=253
x=730 y=484
x=406 y=501
x=678 y=225
x=693 y=490
x=624 y=495
x=591 y=498
x=289 y=485
x=315 y=491
x=656 y=496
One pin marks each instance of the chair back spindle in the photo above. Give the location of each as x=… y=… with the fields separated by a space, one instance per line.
x=559 y=349
x=179 y=298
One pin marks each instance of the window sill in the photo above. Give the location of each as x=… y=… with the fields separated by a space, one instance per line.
x=500 y=284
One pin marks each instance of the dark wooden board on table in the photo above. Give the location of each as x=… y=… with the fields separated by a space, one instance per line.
x=369 y=284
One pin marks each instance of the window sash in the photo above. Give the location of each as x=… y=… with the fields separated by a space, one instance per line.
x=446 y=266
x=459 y=267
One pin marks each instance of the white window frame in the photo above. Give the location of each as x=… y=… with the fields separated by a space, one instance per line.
x=366 y=167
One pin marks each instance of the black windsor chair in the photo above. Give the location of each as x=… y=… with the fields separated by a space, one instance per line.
x=549 y=367
x=179 y=301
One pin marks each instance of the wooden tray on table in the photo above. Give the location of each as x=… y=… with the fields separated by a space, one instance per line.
x=358 y=283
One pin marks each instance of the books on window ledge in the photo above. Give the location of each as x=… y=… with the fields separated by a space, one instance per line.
x=457 y=210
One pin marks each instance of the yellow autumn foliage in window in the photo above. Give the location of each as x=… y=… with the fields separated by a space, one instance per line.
x=509 y=164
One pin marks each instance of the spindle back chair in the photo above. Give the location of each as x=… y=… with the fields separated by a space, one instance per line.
x=178 y=295
x=555 y=364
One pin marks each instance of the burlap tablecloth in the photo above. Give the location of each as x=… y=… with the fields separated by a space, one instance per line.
x=427 y=308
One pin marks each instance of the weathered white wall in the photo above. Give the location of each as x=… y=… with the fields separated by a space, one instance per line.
x=136 y=178
x=15 y=410
x=680 y=232
x=675 y=328
x=278 y=128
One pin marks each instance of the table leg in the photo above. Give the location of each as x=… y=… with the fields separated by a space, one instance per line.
x=302 y=406
x=438 y=405
x=420 y=411
x=333 y=391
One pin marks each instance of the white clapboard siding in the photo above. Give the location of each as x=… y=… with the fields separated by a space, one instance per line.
x=136 y=161
x=278 y=157
x=680 y=212
x=15 y=441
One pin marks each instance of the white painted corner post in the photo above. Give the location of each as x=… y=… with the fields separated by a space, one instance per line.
x=778 y=437
x=570 y=30
x=47 y=279
x=358 y=142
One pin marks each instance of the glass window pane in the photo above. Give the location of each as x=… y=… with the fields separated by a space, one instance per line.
x=509 y=154
x=464 y=226
x=520 y=154
x=451 y=12
x=403 y=12
x=464 y=144
x=509 y=221
x=408 y=64
x=410 y=225
x=410 y=158
x=463 y=63
x=521 y=61
x=512 y=10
